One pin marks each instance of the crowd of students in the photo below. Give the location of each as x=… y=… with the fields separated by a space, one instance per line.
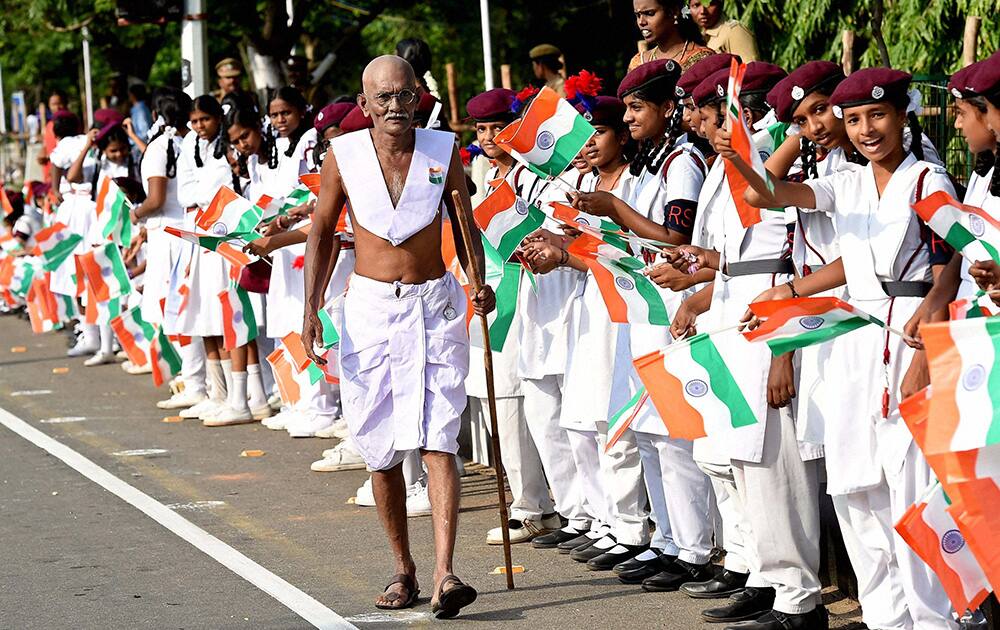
x=652 y=508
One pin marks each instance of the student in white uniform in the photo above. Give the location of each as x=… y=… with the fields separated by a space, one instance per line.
x=532 y=511
x=775 y=475
x=114 y=159
x=890 y=260
x=985 y=83
x=668 y=176
x=75 y=210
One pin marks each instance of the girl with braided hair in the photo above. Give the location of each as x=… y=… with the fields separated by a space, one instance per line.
x=161 y=208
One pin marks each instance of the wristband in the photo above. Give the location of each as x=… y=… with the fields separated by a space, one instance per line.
x=564 y=259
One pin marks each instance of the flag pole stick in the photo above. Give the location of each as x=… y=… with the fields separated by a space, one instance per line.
x=473 y=272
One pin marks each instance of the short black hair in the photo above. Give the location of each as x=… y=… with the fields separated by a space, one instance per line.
x=61 y=94
x=549 y=61
x=65 y=126
x=417 y=53
x=138 y=90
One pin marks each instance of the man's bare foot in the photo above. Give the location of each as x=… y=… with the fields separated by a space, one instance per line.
x=451 y=595
x=401 y=592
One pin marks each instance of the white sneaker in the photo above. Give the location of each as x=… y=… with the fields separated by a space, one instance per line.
x=121 y=354
x=524 y=530
x=100 y=358
x=140 y=369
x=228 y=416
x=280 y=420
x=274 y=402
x=195 y=412
x=261 y=413
x=418 y=503
x=365 y=496
x=341 y=457
x=83 y=348
x=307 y=424
x=182 y=400
x=337 y=430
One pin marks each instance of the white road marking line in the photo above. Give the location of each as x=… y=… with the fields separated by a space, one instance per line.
x=140 y=452
x=31 y=392
x=402 y=616
x=63 y=420
x=294 y=599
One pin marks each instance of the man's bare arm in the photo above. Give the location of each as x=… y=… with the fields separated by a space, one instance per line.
x=456 y=182
x=322 y=250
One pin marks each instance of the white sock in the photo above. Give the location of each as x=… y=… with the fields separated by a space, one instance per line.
x=107 y=339
x=255 y=387
x=227 y=373
x=216 y=380
x=91 y=334
x=238 y=390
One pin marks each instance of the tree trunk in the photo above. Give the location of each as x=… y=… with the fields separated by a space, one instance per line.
x=878 y=12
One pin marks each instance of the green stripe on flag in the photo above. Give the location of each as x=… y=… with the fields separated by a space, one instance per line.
x=723 y=385
x=631 y=265
x=813 y=337
x=993 y=382
x=330 y=335
x=58 y=254
x=315 y=373
x=511 y=240
x=626 y=410
x=506 y=292
x=249 y=320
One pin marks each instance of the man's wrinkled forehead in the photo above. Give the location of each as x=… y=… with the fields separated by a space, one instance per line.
x=387 y=74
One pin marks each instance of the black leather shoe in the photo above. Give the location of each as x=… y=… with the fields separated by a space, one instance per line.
x=635 y=563
x=722 y=585
x=574 y=543
x=552 y=539
x=607 y=560
x=647 y=569
x=749 y=603
x=589 y=552
x=681 y=573
x=815 y=619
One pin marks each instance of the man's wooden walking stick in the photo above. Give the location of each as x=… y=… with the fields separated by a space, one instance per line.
x=463 y=223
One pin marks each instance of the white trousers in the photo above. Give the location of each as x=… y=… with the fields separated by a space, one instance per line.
x=736 y=532
x=866 y=525
x=908 y=477
x=680 y=496
x=621 y=477
x=542 y=406
x=594 y=512
x=521 y=463
x=781 y=498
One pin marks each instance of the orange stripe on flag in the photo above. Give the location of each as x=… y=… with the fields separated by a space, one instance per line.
x=284 y=377
x=211 y=214
x=499 y=201
x=667 y=393
x=617 y=307
x=312 y=181
x=105 y=187
x=946 y=370
x=522 y=137
x=296 y=351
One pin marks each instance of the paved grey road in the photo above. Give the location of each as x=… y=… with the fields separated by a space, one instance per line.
x=75 y=556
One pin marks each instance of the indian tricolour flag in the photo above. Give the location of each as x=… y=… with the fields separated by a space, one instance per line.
x=743 y=144
x=968 y=229
x=134 y=334
x=505 y=219
x=284 y=377
x=163 y=357
x=39 y=311
x=9 y=244
x=275 y=207
x=330 y=335
x=55 y=244
x=229 y=214
x=548 y=136
x=105 y=272
x=931 y=532
x=978 y=305
x=505 y=280
x=25 y=270
x=965 y=408
x=630 y=296
x=622 y=419
x=601 y=227
x=239 y=326
x=800 y=322
x=5 y=202
x=113 y=209
x=693 y=389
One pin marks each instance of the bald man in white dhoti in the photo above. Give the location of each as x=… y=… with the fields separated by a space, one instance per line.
x=404 y=350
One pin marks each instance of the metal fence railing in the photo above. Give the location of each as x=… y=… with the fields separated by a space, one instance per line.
x=938 y=120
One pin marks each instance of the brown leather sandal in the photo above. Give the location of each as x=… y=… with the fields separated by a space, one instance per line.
x=451 y=601
x=397 y=601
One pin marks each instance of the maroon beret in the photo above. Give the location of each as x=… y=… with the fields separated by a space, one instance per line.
x=648 y=74
x=492 y=105
x=355 y=120
x=105 y=130
x=759 y=77
x=332 y=114
x=107 y=116
x=605 y=110
x=786 y=96
x=701 y=70
x=871 y=85
x=426 y=103
x=986 y=79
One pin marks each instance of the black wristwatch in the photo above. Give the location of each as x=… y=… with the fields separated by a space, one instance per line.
x=791 y=287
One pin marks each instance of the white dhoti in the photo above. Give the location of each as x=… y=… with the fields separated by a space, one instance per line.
x=404 y=356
